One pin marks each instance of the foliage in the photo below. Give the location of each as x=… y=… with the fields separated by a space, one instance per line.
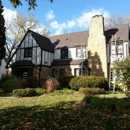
x=92 y=91
x=19 y=26
x=40 y=91
x=52 y=84
x=88 y=81
x=2 y=33
x=10 y=85
x=23 y=83
x=27 y=92
x=64 y=81
x=31 y=3
x=34 y=113
x=64 y=91
x=121 y=71
x=117 y=19
x=32 y=82
x=5 y=78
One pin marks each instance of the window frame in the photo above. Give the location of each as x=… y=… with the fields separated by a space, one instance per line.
x=28 y=52
x=53 y=73
x=64 y=53
x=79 y=69
x=78 y=54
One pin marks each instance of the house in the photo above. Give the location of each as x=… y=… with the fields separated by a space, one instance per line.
x=2 y=67
x=88 y=52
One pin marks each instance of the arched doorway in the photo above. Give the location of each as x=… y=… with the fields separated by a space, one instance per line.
x=62 y=73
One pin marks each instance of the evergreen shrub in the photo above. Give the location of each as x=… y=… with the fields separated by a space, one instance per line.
x=27 y=92
x=9 y=85
x=88 y=81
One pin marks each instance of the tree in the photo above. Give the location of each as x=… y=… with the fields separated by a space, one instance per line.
x=117 y=19
x=121 y=71
x=2 y=33
x=32 y=3
x=18 y=27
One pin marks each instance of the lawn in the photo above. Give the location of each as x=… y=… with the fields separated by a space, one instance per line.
x=57 y=111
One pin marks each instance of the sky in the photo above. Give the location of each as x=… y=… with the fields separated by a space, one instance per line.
x=67 y=16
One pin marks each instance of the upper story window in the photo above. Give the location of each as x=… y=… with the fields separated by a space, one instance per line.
x=28 y=52
x=116 y=50
x=119 y=49
x=64 y=53
x=78 y=52
x=81 y=52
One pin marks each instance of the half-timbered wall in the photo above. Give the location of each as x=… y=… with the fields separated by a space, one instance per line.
x=47 y=58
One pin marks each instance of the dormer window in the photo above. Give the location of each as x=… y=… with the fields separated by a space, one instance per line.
x=64 y=53
x=28 y=52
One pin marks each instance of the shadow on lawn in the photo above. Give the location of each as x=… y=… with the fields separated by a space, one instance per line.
x=57 y=116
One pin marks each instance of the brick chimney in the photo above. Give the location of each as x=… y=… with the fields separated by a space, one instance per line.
x=97 y=55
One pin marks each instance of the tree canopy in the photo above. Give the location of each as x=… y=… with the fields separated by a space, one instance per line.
x=2 y=34
x=31 y=3
x=18 y=27
x=121 y=70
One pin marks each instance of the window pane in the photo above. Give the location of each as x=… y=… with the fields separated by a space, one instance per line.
x=64 y=53
x=53 y=73
x=28 y=52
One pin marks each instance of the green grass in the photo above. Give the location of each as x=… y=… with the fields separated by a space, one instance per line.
x=53 y=112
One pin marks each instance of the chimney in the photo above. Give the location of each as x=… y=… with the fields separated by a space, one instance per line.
x=97 y=56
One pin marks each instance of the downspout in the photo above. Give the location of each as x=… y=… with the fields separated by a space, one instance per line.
x=39 y=83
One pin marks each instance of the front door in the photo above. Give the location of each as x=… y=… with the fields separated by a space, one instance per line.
x=62 y=73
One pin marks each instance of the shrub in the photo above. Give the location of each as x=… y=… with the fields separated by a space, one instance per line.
x=89 y=81
x=32 y=82
x=23 y=83
x=92 y=91
x=64 y=81
x=5 y=78
x=40 y=91
x=106 y=104
x=64 y=91
x=27 y=92
x=11 y=84
x=51 y=85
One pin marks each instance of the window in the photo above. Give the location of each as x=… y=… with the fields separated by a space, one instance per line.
x=119 y=49
x=116 y=49
x=19 y=72
x=78 y=72
x=64 y=53
x=28 y=52
x=53 y=73
x=78 y=52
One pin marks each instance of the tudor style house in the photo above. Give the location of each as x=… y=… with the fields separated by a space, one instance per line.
x=88 y=52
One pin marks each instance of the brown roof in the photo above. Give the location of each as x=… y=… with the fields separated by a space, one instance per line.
x=75 y=39
x=69 y=39
x=121 y=32
x=63 y=62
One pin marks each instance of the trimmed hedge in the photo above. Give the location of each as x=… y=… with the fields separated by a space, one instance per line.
x=28 y=92
x=89 y=81
x=92 y=91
